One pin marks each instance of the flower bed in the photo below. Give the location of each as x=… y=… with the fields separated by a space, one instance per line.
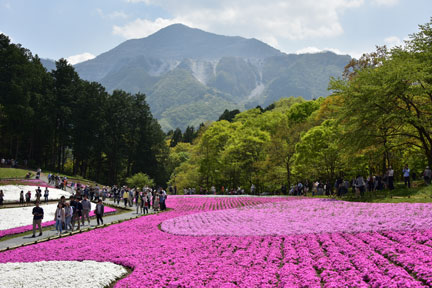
x=159 y=259
x=91 y=274
x=19 y=217
x=302 y=216
x=31 y=182
x=12 y=192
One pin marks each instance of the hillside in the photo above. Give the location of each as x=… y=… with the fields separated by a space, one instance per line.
x=190 y=76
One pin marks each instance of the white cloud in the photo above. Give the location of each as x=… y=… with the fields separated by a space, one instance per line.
x=80 y=58
x=311 y=50
x=142 y=27
x=308 y=50
x=264 y=20
x=393 y=41
x=112 y=15
x=385 y=2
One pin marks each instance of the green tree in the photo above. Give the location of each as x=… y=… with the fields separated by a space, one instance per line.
x=388 y=95
x=317 y=153
x=140 y=180
x=176 y=138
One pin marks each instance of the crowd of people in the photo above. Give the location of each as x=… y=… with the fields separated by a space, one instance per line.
x=359 y=184
x=68 y=214
x=12 y=163
x=143 y=199
x=341 y=186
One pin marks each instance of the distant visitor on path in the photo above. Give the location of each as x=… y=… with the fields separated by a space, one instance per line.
x=38 y=214
x=59 y=218
x=28 y=196
x=85 y=211
x=427 y=175
x=99 y=211
x=21 y=200
x=1 y=197
x=46 y=194
x=406 y=174
x=390 y=178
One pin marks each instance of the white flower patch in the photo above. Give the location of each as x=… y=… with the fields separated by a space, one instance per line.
x=12 y=192
x=60 y=274
x=22 y=216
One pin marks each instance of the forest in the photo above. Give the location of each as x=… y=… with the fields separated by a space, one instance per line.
x=378 y=115
x=59 y=122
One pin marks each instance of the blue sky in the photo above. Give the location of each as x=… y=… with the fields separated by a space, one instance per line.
x=81 y=29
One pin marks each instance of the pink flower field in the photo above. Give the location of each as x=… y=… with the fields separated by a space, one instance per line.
x=393 y=251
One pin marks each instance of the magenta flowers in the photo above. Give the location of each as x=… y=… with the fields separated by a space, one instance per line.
x=384 y=258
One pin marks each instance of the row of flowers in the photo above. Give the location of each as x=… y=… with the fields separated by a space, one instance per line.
x=302 y=216
x=159 y=259
x=32 y=182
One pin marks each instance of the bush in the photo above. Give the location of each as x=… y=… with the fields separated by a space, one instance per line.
x=140 y=180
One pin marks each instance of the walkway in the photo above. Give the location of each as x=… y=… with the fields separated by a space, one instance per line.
x=50 y=232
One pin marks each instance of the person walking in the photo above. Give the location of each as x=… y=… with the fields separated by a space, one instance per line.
x=46 y=194
x=161 y=200
x=77 y=213
x=427 y=175
x=137 y=199
x=156 y=202
x=125 y=197
x=1 y=197
x=21 y=199
x=406 y=174
x=360 y=185
x=68 y=216
x=28 y=197
x=38 y=215
x=86 y=204
x=99 y=211
x=59 y=217
x=145 y=203
x=131 y=197
x=38 y=193
x=390 y=178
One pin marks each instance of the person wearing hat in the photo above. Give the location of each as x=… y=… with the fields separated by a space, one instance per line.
x=427 y=175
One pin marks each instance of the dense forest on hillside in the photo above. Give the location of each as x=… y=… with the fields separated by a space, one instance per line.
x=380 y=114
x=57 y=121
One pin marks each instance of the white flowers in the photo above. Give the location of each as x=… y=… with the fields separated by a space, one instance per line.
x=12 y=192
x=60 y=274
x=21 y=216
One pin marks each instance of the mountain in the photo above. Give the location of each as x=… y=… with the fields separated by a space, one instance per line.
x=191 y=76
x=48 y=64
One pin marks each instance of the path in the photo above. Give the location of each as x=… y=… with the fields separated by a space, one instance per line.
x=51 y=232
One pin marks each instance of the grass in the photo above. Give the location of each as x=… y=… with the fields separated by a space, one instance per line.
x=75 y=178
x=6 y=173
x=418 y=193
